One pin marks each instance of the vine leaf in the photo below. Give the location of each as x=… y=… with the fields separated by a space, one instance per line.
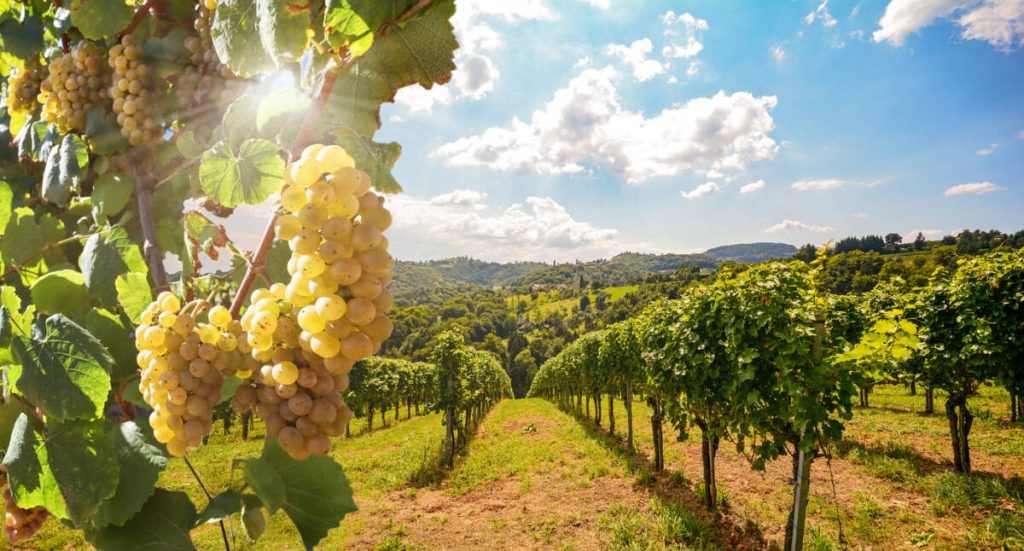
x=29 y=476
x=133 y=294
x=162 y=525
x=118 y=339
x=104 y=258
x=63 y=167
x=280 y=114
x=239 y=121
x=60 y=292
x=375 y=159
x=420 y=50
x=225 y=504
x=100 y=18
x=237 y=40
x=24 y=38
x=344 y=27
x=6 y=202
x=282 y=25
x=110 y=194
x=104 y=133
x=250 y=178
x=201 y=236
x=65 y=370
x=314 y=493
x=355 y=102
x=84 y=462
x=22 y=237
x=140 y=460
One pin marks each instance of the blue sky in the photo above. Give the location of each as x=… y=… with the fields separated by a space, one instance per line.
x=577 y=129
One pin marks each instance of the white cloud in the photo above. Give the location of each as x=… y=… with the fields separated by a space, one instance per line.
x=986 y=151
x=693 y=68
x=599 y=4
x=855 y=11
x=635 y=56
x=752 y=187
x=461 y=223
x=807 y=185
x=822 y=14
x=972 y=188
x=702 y=190
x=420 y=101
x=585 y=123
x=790 y=225
x=857 y=34
x=911 y=235
x=859 y=216
x=998 y=22
x=778 y=53
x=684 y=35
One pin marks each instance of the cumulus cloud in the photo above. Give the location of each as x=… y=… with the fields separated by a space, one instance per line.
x=599 y=4
x=790 y=225
x=684 y=35
x=971 y=188
x=859 y=216
x=821 y=14
x=752 y=187
x=998 y=22
x=702 y=190
x=778 y=53
x=636 y=57
x=585 y=123
x=807 y=185
x=540 y=229
x=986 y=151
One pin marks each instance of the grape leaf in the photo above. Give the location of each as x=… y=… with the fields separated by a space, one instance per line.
x=100 y=18
x=282 y=25
x=22 y=237
x=375 y=159
x=250 y=178
x=162 y=525
x=30 y=478
x=201 y=236
x=314 y=493
x=106 y=257
x=225 y=504
x=104 y=133
x=239 y=121
x=110 y=194
x=63 y=167
x=254 y=522
x=6 y=204
x=133 y=294
x=118 y=339
x=280 y=114
x=355 y=102
x=65 y=370
x=420 y=50
x=237 y=40
x=84 y=462
x=140 y=460
x=60 y=292
x=22 y=38
x=344 y=27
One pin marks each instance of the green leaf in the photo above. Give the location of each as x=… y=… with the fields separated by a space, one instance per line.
x=60 y=292
x=253 y=521
x=104 y=133
x=421 y=50
x=162 y=525
x=6 y=203
x=240 y=120
x=373 y=13
x=30 y=478
x=355 y=102
x=282 y=25
x=237 y=40
x=63 y=167
x=250 y=178
x=225 y=504
x=100 y=18
x=106 y=257
x=22 y=237
x=140 y=460
x=280 y=114
x=64 y=370
x=314 y=493
x=344 y=27
x=118 y=339
x=110 y=194
x=373 y=158
x=10 y=411
x=133 y=294
x=84 y=462
x=201 y=236
x=22 y=39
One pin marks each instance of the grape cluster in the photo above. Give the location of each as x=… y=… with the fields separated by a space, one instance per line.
x=332 y=312
x=20 y=524
x=183 y=363
x=205 y=78
x=23 y=87
x=131 y=86
x=76 y=82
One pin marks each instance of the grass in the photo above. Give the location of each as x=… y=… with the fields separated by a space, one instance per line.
x=548 y=303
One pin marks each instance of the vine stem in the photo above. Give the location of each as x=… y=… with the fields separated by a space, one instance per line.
x=140 y=14
x=209 y=497
x=152 y=252
x=331 y=75
x=49 y=247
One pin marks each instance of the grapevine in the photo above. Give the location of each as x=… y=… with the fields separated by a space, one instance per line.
x=77 y=81
x=23 y=86
x=131 y=89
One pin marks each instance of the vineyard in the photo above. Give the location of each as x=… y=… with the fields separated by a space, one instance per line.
x=207 y=340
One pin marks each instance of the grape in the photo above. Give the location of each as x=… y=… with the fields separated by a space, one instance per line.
x=205 y=80
x=23 y=87
x=76 y=82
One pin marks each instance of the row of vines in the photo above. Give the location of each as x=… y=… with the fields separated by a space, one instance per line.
x=129 y=132
x=763 y=359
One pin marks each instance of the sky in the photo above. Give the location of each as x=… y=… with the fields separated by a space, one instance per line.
x=578 y=129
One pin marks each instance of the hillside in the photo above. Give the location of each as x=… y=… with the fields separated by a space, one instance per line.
x=622 y=269
x=752 y=252
x=436 y=280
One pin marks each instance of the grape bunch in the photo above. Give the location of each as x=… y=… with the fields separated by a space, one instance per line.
x=20 y=524
x=131 y=89
x=331 y=313
x=205 y=78
x=23 y=87
x=76 y=82
x=183 y=363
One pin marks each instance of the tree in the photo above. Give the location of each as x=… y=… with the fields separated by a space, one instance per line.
x=919 y=242
x=806 y=253
x=893 y=242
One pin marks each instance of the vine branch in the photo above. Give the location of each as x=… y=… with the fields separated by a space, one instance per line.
x=152 y=252
x=209 y=497
x=312 y=118
x=17 y=267
x=140 y=14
